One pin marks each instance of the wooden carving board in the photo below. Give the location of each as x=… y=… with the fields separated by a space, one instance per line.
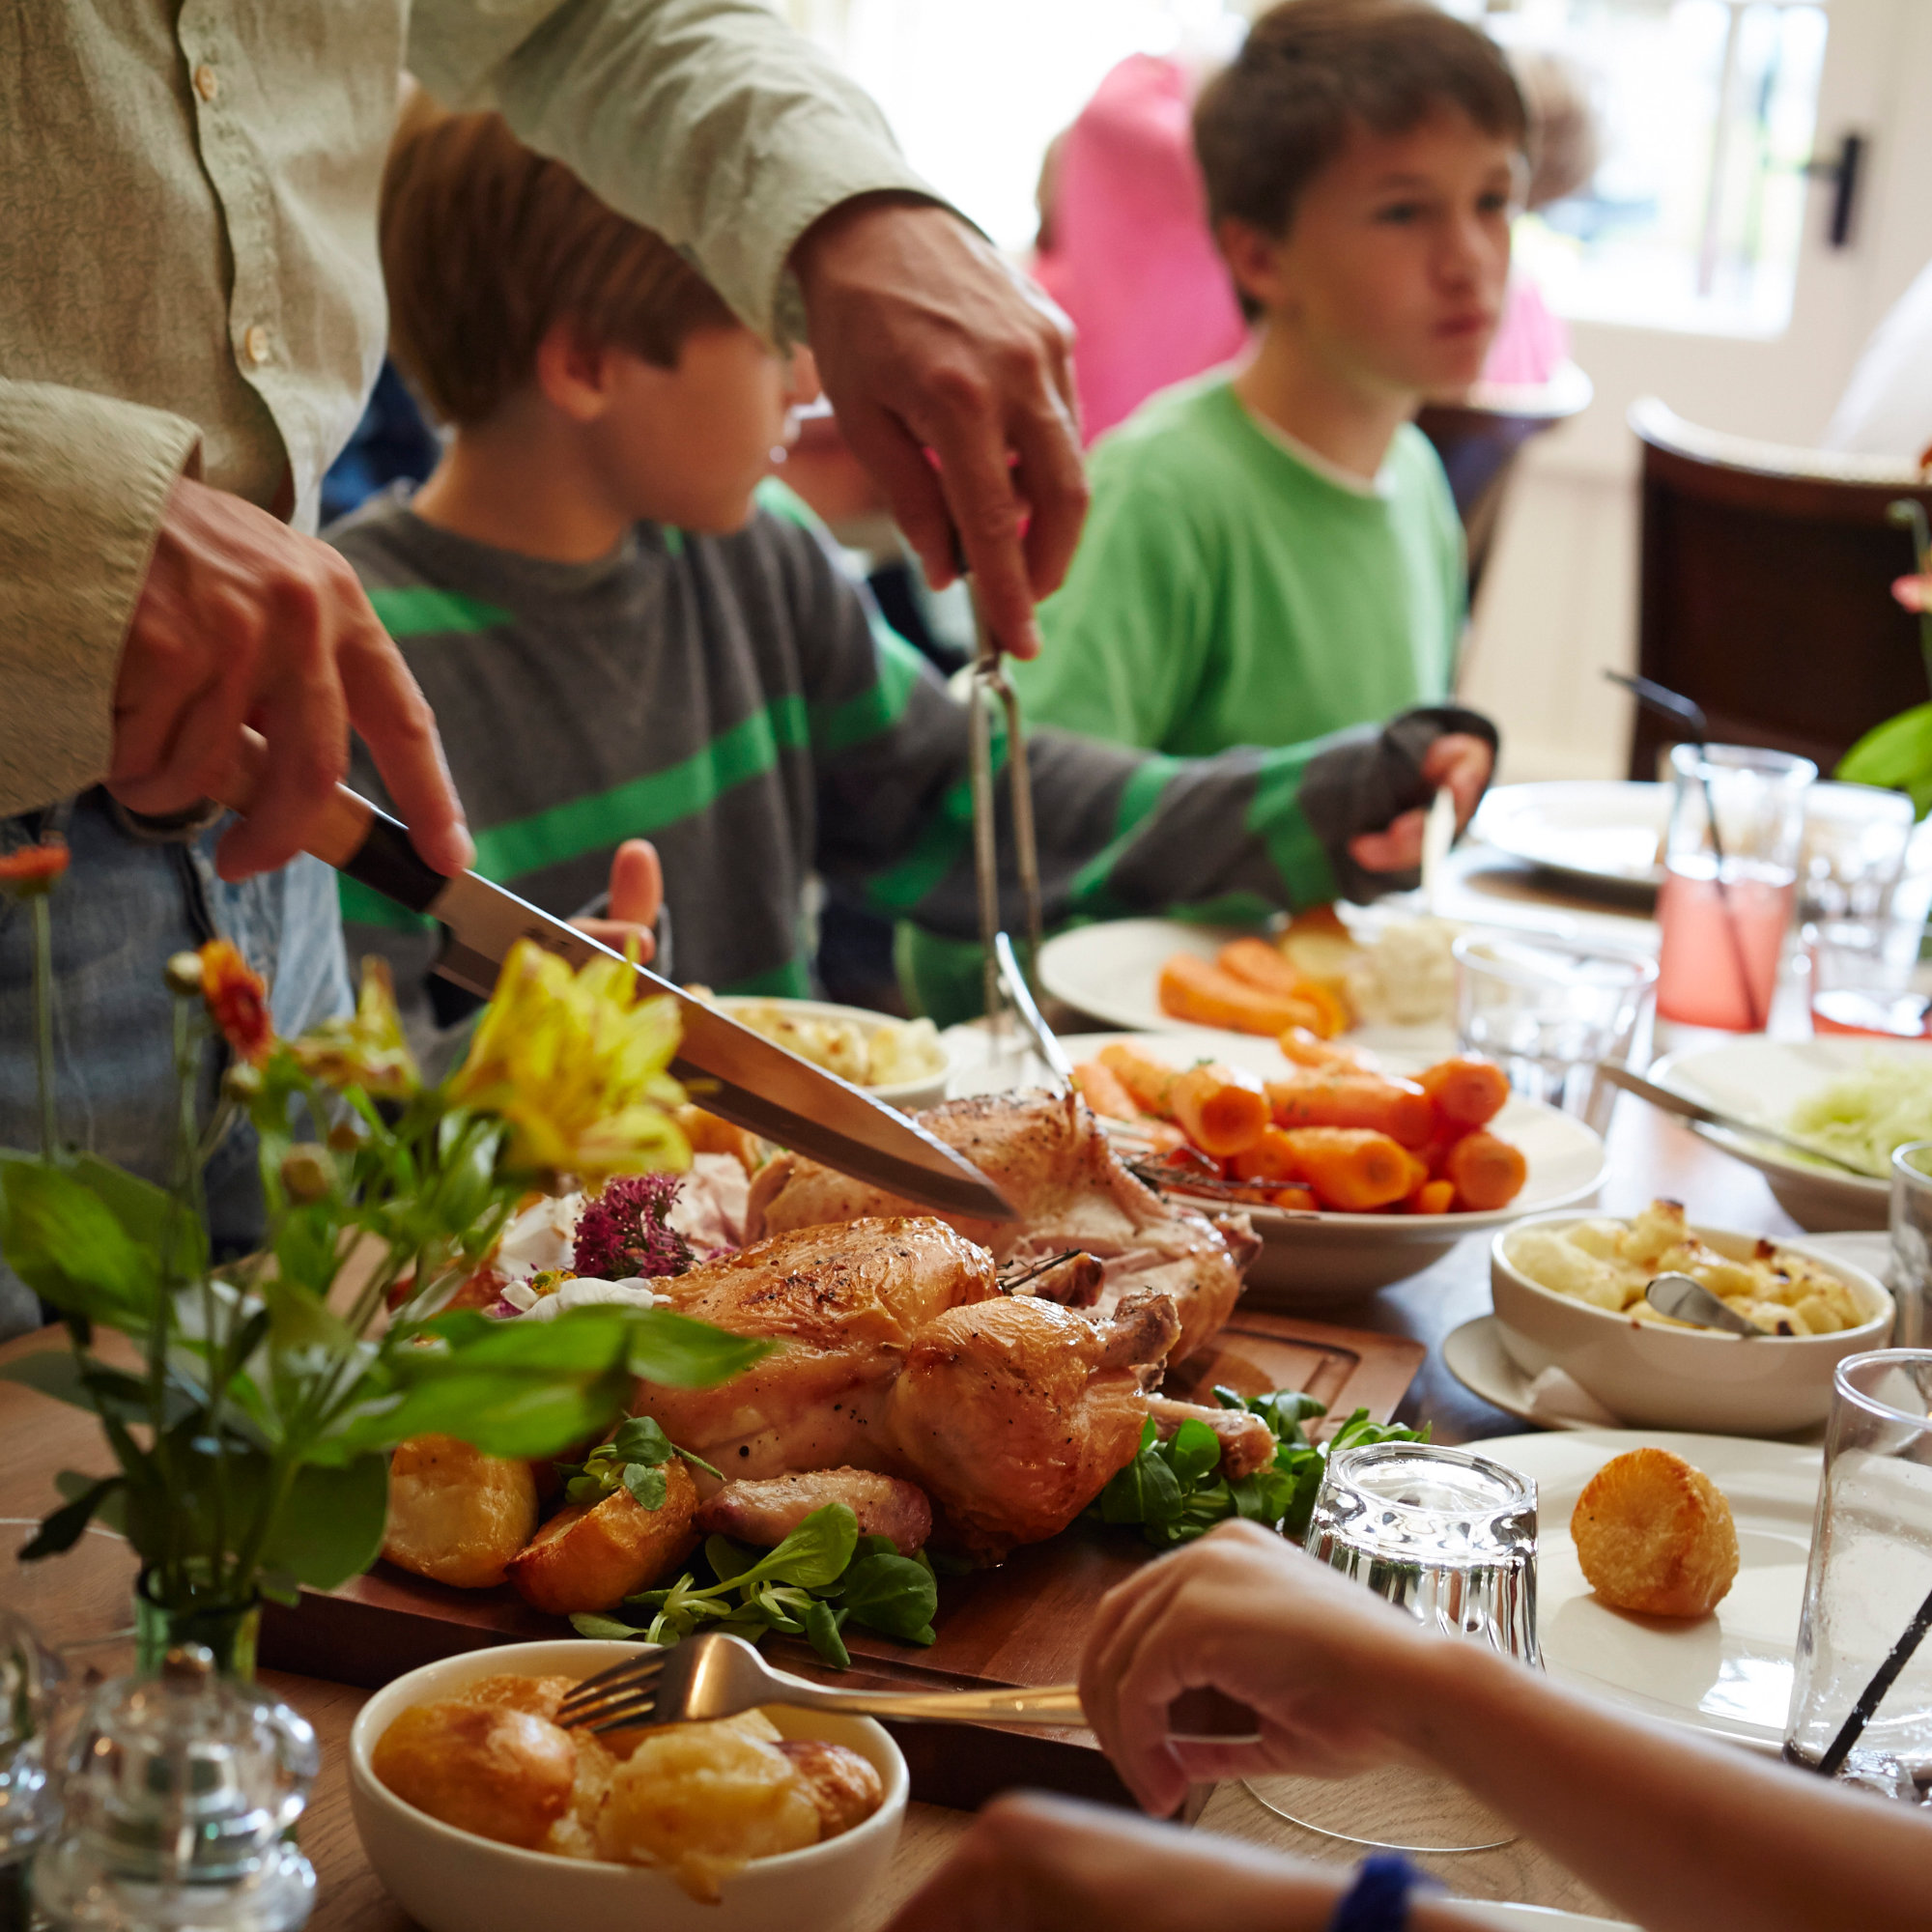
x=1022 y=1623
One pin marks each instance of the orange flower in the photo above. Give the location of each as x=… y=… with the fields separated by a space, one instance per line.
x=31 y=869
x=237 y=1001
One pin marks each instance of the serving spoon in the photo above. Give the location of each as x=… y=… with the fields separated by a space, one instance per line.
x=1684 y=1298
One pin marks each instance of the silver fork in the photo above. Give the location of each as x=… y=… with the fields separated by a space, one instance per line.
x=712 y=1675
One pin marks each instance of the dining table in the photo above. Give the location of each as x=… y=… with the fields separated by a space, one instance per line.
x=80 y=1601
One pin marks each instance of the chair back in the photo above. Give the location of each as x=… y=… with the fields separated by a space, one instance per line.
x=1767 y=580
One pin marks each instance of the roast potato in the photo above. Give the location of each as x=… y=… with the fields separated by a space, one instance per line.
x=1653 y=1534
x=592 y=1555
x=845 y=1787
x=504 y=1775
x=455 y=1514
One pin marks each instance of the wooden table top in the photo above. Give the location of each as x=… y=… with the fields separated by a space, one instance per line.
x=84 y=1595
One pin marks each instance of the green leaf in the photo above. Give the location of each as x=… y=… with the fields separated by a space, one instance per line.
x=641 y=1440
x=647 y=1484
x=1897 y=755
x=330 y=1528
x=64 y=1529
x=821 y=1627
x=63 y=1240
x=1193 y=1453
x=892 y=1595
x=147 y=1213
x=55 y=1371
x=586 y=1624
x=814 y=1553
x=682 y=1353
x=728 y=1561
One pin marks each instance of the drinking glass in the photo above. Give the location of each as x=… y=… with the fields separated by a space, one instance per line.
x=1723 y=920
x=1911 y=1224
x=1451 y=1538
x=1853 y=851
x=1868 y=1587
x=1548 y=1010
x=1863 y=893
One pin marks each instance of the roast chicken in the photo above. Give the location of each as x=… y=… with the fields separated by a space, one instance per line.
x=1047 y=1155
x=903 y=1357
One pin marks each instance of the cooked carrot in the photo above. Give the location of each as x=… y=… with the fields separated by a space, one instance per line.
x=1305 y=1048
x=1468 y=1093
x=1486 y=1172
x=1432 y=1197
x=1300 y=1200
x=1221 y=1109
x=1201 y=993
x=1270 y=1158
x=1100 y=1087
x=1397 y=1108
x=1257 y=964
x=1351 y=1169
x=1146 y=1078
x=1335 y=1015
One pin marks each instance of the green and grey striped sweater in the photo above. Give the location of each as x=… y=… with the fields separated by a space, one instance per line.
x=740 y=702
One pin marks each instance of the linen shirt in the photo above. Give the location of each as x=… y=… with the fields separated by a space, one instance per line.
x=189 y=271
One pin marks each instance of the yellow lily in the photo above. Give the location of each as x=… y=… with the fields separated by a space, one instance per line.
x=575 y=1064
x=366 y=1050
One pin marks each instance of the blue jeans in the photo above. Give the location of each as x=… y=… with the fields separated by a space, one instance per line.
x=125 y=904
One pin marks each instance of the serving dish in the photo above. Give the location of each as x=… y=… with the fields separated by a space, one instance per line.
x=1113 y=971
x=926 y=1091
x=1600 y=831
x=1308 y=1260
x=1763 y=1079
x=1727 y=1674
x=1651 y=1376
x=452 y=1881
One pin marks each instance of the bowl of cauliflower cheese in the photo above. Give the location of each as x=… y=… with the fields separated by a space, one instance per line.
x=1569 y=1292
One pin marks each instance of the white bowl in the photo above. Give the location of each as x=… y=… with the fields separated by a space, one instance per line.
x=452 y=1881
x=927 y=1091
x=1760 y=1079
x=1652 y=1377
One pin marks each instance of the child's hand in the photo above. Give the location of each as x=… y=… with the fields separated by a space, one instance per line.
x=1915 y=593
x=637 y=897
x=1457 y=761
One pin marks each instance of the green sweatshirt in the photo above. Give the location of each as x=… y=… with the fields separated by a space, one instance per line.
x=1232 y=589
x=739 y=701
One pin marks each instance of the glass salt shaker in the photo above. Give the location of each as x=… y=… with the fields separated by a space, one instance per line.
x=29 y=1810
x=180 y=1791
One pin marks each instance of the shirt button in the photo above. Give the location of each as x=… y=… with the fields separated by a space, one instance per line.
x=255 y=344
x=206 y=82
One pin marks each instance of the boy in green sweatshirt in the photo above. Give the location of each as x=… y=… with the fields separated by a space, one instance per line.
x=626 y=636
x=1273 y=551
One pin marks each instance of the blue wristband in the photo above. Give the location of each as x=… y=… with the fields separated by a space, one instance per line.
x=1378 y=1899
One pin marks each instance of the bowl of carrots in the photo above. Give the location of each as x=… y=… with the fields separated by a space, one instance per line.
x=1354 y=1175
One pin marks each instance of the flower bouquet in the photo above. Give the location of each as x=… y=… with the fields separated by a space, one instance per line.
x=250 y=1410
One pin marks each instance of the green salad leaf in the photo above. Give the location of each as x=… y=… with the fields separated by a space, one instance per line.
x=1173 y=1490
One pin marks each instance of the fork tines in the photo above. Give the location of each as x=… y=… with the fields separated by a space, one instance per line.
x=616 y=1698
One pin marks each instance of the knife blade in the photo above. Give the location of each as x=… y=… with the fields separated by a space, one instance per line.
x=1670 y=1101
x=735 y=1073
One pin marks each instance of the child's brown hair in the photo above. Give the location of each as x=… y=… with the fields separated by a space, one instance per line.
x=486 y=246
x=1312 y=71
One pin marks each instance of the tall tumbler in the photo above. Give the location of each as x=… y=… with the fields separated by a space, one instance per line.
x=1451 y=1538
x=1861 y=1697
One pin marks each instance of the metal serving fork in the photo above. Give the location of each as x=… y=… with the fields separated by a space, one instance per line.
x=712 y=1675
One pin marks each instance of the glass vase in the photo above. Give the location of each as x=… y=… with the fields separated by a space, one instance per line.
x=227 y=1631
x=179 y=1793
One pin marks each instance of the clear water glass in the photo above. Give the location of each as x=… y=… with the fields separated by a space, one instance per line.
x=1866 y=888
x=1911 y=1271
x=1548 y=1010
x=1870 y=1578
x=1451 y=1538
x=1852 y=852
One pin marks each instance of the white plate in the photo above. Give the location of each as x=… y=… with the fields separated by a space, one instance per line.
x=1113 y=971
x=1729 y=1673
x=1475 y=1355
x=1325 y=1257
x=1507 y=1915
x=1762 y=1079
x=1594 y=829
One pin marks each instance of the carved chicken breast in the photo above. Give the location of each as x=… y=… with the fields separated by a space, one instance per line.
x=766 y=1513
x=1047 y=1155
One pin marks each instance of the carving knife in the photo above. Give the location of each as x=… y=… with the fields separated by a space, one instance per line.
x=1670 y=1101
x=734 y=1072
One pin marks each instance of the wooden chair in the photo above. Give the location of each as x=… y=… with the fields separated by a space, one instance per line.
x=1480 y=437
x=1767 y=580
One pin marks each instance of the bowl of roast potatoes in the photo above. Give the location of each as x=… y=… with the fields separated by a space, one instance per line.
x=1569 y=1292
x=480 y=1814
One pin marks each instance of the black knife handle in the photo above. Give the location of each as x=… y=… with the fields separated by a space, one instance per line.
x=386 y=862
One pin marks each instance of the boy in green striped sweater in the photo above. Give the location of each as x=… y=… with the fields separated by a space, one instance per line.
x=625 y=633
